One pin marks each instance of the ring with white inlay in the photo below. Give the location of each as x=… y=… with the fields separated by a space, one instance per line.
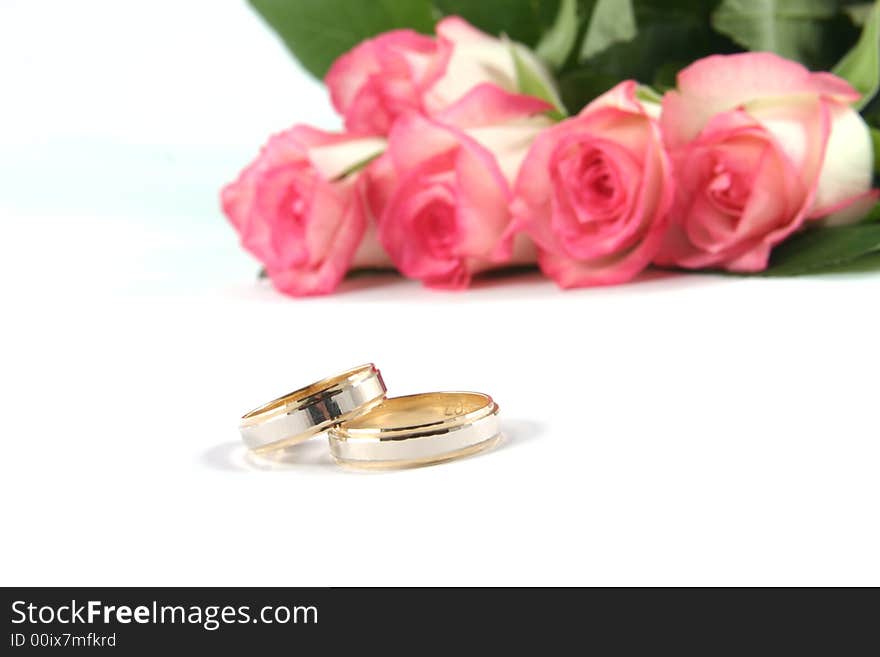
x=303 y=413
x=417 y=430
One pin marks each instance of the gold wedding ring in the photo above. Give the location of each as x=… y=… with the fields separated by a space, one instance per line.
x=417 y=430
x=301 y=414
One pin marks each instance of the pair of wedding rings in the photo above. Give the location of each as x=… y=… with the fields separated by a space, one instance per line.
x=366 y=429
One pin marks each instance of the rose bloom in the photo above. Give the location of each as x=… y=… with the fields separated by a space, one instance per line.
x=594 y=192
x=402 y=71
x=381 y=78
x=760 y=145
x=471 y=57
x=442 y=191
x=298 y=214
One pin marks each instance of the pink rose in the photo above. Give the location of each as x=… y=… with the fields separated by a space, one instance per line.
x=298 y=215
x=594 y=192
x=384 y=77
x=402 y=71
x=471 y=57
x=760 y=145
x=442 y=190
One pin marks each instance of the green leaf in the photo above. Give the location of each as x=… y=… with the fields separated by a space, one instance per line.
x=556 y=44
x=521 y=20
x=612 y=21
x=875 y=141
x=873 y=215
x=862 y=264
x=647 y=94
x=821 y=249
x=665 y=77
x=318 y=31
x=580 y=86
x=861 y=65
x=859 y=12
x=671 y=34
x=358 y=166
x=532 y=80
x=813 y=32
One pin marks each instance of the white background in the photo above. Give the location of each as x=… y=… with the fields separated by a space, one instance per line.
x=679 y=430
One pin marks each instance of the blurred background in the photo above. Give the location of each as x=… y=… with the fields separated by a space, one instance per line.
x=119 y=123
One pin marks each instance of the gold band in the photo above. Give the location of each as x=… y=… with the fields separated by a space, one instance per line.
x=301 y=414
x=417 y=430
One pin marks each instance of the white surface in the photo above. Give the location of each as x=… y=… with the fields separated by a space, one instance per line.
x=681 y=430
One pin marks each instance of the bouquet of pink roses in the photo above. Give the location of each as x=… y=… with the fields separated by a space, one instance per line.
x=463 y=151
